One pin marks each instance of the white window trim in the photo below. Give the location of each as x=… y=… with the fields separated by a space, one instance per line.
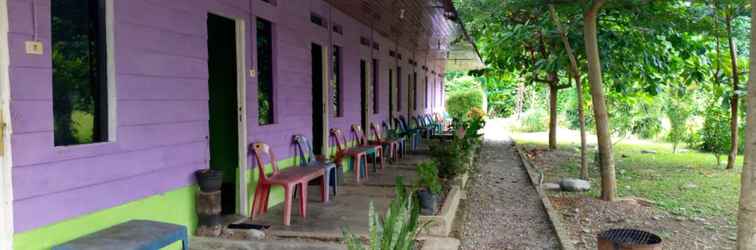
x=112 y=89
x=6 y=185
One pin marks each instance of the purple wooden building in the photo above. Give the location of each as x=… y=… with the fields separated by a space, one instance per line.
x=110 y=106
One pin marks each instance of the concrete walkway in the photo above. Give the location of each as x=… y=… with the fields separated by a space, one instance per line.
x=503 y=209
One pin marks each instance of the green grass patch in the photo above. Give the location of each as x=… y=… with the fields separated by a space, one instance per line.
x=688 y=184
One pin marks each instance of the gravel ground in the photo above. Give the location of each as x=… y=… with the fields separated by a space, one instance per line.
x=503 y=210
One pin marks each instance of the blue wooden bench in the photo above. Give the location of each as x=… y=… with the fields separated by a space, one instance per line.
x=134 y=234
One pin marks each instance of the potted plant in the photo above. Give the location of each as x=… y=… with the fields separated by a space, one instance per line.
x=430 y=187
x=209 y=180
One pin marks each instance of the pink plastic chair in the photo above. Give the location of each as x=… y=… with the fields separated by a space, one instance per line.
x=363 y=144
x=392 y=145
x=359 y=156
x=288 y=178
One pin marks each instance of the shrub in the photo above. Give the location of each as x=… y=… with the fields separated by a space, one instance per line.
x=647 y=127
x=459 y=103
x=715 y=134
x=450 y=156
x=428 y=176
x=397 y=230
x=534 y=120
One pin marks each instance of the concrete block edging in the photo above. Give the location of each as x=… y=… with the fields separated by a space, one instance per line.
x=554 y=216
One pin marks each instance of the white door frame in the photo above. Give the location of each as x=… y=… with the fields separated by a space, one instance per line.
x=6 y=184
x=242 y=206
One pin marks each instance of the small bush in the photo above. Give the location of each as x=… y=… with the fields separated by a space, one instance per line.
x=715 y=134
x=451 y=158
x=459 y=103
x=534 y=120
x=428 y=177
x=647 y=127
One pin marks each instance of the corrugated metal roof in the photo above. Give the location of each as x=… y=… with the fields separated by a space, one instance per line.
x=427 y=26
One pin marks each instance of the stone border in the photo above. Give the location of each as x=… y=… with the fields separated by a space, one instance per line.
x=441 y=224
x=439 y=243
x=554 y=216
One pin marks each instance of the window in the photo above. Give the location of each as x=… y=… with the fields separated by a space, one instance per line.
x=427 y=93
x=374 y=87
x=398 y=88
x=265 y=93
x=391 y=91
x=338 y=29
x=80 y=72
x=336 y=82
x=317 y=20
x=414 y=91
x=409 y=92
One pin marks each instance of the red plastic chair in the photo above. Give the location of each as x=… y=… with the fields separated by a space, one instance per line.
x=362 y=142
x=288 y=178
x=392 y=145
x=358 y=155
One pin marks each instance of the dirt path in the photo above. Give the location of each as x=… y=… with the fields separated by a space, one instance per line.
x=503 y=210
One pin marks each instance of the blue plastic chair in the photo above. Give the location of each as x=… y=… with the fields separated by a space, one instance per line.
x=307 y=159
x=406 y=131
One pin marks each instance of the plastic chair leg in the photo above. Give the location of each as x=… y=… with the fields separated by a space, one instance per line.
x=356 y=168
x=266 y=197
x=325 y=183
x=287 y=204
x=381 y=157
x=303 y=200
x=256 y=201
x=335 y=178
x=365 y=164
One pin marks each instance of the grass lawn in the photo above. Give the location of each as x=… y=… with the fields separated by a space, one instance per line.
x=688 y=183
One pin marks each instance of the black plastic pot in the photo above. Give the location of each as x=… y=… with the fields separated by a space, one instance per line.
x=428 y=202
x=209 y=180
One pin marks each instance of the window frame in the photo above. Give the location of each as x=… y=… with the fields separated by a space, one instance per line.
x=273 y=68
x=338 y=77
x=110 y=80
x=375 y=90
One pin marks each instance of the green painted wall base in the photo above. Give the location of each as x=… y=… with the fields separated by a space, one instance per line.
x=176 y=207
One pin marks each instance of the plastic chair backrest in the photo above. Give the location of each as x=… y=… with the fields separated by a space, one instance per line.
x=259 y=151
x=339 y=138
x=386 y=130
x=359 y=135
x=376 y=131
x=306 y=155
x=402 y=124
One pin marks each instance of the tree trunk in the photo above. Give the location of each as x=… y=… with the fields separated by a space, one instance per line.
x=553 y=91
x=519 y=100
x=606 y=161
x=579 y=85
x=718 y=71
x=553 y=82
x=747 y=208
x=734 y=98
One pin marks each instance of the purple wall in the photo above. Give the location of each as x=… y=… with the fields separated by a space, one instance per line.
x=161 y=64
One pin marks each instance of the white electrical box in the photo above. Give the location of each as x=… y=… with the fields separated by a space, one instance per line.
x=34 y=48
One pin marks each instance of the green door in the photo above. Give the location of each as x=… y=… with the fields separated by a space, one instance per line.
x=223 y=105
